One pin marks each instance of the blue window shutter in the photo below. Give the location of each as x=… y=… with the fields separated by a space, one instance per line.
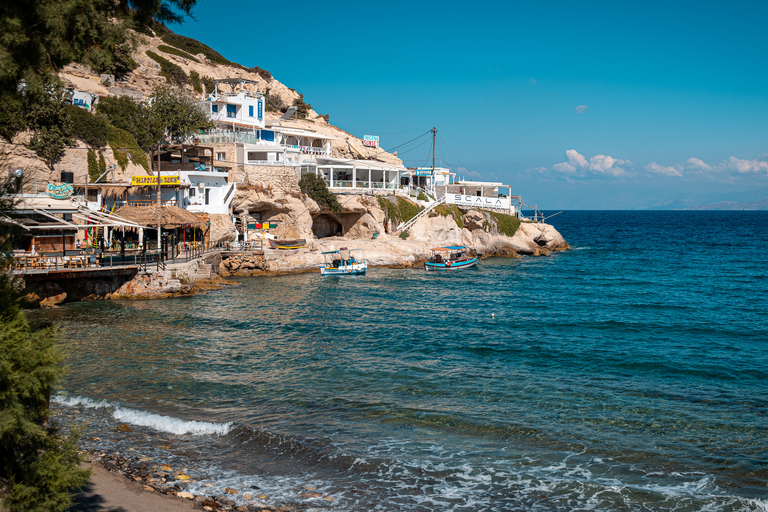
x=250 y=110
x=214 y=108
x=231 y=109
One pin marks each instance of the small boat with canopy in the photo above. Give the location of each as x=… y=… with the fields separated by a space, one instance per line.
x=344 y=262
x=452 y=257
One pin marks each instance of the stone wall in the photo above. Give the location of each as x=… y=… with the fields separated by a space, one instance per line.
x=281 y=177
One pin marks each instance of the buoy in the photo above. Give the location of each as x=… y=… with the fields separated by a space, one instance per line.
x=493 y=315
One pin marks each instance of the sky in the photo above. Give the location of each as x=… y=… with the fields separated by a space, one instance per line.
x=575 y=105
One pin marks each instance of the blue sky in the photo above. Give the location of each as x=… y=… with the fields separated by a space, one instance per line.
x=596 y=105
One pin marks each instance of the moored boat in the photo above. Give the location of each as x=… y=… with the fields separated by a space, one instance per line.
x=296 y=243
x=344 y=262
x=452 y=257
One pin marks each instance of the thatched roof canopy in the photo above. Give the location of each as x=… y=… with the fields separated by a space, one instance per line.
x=172 y=217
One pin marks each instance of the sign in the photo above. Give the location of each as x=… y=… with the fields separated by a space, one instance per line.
x=422 y=172
x=371 y=140
x=501 y=203
x=144 y=181
x=62 y=191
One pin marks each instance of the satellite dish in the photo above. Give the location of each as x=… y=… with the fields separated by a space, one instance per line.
x=109 y=168
x=18 y=173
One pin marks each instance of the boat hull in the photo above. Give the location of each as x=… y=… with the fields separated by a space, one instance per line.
x=450 y=265
x=345 y=270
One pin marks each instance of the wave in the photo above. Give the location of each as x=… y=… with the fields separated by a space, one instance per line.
x=159 y=422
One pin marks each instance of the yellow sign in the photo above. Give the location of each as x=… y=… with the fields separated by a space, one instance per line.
x=144 y=181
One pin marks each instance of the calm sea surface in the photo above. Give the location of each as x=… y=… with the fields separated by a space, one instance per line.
x=629 y=373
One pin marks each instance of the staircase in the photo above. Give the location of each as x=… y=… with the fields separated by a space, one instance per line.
x=426 y=210
x=204 y=271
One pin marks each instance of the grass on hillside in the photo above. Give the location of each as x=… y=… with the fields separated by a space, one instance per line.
x=506 y=224
x=176 y=51
x=400 y=211
x=451 y=210
x=172 y=72
x=194 y=47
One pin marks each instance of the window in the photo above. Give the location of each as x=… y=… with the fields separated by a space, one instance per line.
x=257 y=156
x=231 y=110
x=250 y=110
x=214 y=109
x=192 y=192
x=207 y=196
x=221 y=157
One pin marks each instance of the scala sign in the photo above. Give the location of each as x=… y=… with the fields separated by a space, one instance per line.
x=143 y=181
x=501 y=203
x=371 y=140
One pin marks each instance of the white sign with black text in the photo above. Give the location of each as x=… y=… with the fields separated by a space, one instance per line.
x=499 y=203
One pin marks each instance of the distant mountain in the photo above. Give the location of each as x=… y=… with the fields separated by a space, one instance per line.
x=733 y=205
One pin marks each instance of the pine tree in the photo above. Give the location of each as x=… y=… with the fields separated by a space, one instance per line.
x=38 y=465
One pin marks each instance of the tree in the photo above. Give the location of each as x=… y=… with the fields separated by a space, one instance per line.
x=38 y=465
x=51 y=128
x=177 y=113
x=303 y=108
x=316 y=189
x=39 y=37
x=135 y=117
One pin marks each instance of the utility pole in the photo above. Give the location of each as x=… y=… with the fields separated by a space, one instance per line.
x=159 y=208
x=434 y=132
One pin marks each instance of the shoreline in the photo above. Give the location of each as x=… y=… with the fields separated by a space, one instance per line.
x=119 y=485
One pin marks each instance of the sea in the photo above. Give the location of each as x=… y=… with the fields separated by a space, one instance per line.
x=629 y=373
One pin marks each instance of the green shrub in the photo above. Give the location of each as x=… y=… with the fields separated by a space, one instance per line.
x=102 y=164
x=506 y=224
x=176 y=51
x=451 y=210
x=194 y=47
x=208 y=84
x=263 y=73
x=303 y=107
x=87 y=127
x=404 y=235
x=123 y=144
x=422 y=196
x=93 y=166
x=402 y=210
x=51 y=127
x=315 y=188
x=194 y=79
x=172 y=72
x=274 y=103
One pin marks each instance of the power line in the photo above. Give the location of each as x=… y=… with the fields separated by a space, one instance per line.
x=406 y=143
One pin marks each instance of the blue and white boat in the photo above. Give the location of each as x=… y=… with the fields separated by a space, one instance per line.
x=344 y=262
x=452 y=257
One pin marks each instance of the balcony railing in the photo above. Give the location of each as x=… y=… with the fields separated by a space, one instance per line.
x=360 y=184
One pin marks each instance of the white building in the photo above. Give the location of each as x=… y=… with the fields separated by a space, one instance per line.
x=355 y=174
x=242 y=108
x=207 y=192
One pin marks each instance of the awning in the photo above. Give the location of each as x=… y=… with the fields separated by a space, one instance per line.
x=171 y=217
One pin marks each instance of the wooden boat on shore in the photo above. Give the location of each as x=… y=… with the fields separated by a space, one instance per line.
x=344 y=262
x=452 y=257
x=296 y=243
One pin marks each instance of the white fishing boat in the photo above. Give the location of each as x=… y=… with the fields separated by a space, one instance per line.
x=344 y=262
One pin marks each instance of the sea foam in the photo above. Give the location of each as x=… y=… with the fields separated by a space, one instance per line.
x=154 y=421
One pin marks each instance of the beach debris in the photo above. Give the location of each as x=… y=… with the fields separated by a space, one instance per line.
x=124 y=428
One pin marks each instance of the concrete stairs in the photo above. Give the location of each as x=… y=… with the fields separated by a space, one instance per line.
x=204 y=271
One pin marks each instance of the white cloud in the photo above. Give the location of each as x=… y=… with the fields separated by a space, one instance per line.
x=655 y=168
x=695 y=163
x=581 y=109
x=746 y=166
x=578 y=164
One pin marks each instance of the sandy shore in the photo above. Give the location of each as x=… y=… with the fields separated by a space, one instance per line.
x=110 y=492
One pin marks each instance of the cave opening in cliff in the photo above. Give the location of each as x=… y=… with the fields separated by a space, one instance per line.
x=325 y=225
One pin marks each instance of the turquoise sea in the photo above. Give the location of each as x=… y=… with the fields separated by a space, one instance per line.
x=629 y=373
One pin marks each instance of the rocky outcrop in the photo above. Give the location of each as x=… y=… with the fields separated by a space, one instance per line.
x=152 y=286
x=222 y=228
x=243 y=265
